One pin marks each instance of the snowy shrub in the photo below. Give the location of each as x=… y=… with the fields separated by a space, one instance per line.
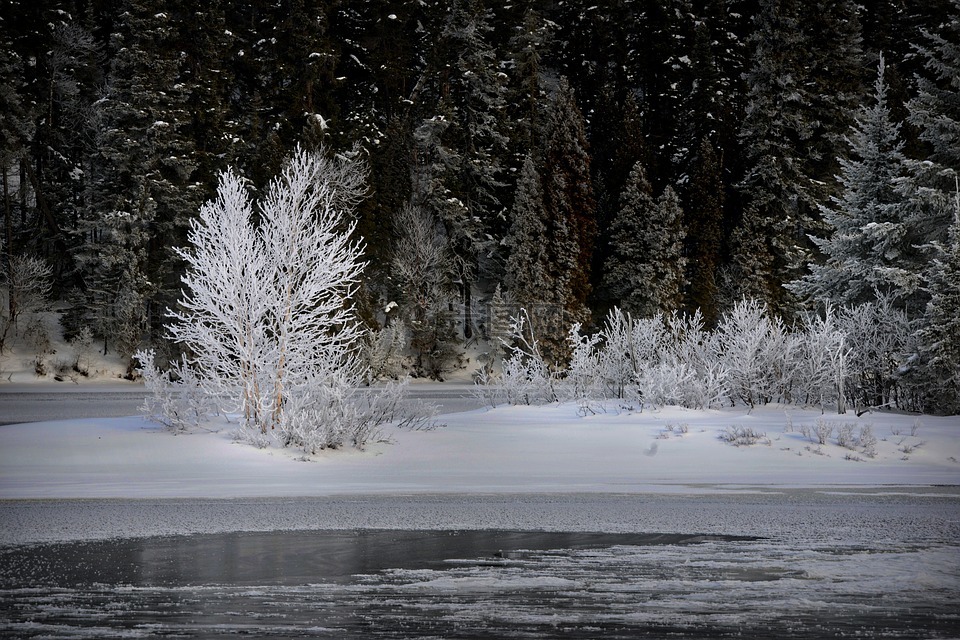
x=630 y=347
x=878 y=337
x=82 y=344
x=693 y=353
x=753 y=348
x=525 y=376
x=332 y=415
x=820 y=432
x=177 y=398
x=822 y=361
x=740 y=436
x=584 y=379
x=383 y=352
x=866 y=441
x=845 y=436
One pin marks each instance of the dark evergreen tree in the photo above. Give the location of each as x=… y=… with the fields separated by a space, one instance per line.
x=568 y=199
x=935 y=112
x=627 y=274
x=141 y=192
x=939 y=338
x=645 y=270
x=872 y=248
x=526 y=274
x=791 y=132
x=835 y=83
x=704 y=222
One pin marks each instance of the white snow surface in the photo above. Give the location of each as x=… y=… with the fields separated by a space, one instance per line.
x=508 y=450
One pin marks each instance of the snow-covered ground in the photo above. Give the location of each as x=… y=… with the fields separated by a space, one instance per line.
x=503 y=450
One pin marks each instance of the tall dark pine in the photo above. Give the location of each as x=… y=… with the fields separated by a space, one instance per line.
x=872 y=246
x=142 y=191
x=568 y=198
x=803 y=80
x=836 y=82
x=461 y=146
x=527 y=242
x=627 y=276
x=935 y=112
x=704 y=221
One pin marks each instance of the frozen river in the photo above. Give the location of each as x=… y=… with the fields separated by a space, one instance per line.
x=36 y=403
x=794 y=564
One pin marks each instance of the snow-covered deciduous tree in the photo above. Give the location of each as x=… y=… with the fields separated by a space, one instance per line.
x=28 y=281
x=265 y=313
x=823 y=361
x=756 y=350
x=526 y=378
x=424 y=266
x=879 y=335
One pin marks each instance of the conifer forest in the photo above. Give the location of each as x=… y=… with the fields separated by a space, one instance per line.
x=578 y=161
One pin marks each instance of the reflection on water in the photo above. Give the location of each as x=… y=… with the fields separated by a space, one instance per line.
x=400 y=584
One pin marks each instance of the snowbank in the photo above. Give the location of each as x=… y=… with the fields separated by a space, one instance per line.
x=505 y=450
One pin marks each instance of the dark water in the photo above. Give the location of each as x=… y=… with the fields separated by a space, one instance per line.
x=478 y=584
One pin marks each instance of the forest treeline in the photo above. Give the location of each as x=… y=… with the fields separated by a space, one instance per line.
x=656 y=156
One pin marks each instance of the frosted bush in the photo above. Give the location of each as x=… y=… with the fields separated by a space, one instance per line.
x=525 y=376
x=740 y=436
x=177 y=398
x=383 y=352
x=584 y=379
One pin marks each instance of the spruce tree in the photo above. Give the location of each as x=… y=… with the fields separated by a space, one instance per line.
x=625 y=275
x=871 y=250
x=802 y=81
x=775 y=188
x=704 y=221
x=142 y=191
x=939 y=338
x=645 y=271
x=935 y=112
x=568 y=200
x=526 y=269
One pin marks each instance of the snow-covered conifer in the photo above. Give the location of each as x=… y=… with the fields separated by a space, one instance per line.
x=872 y=247
x=645 y=270
x=526 y=273
x=940 y=336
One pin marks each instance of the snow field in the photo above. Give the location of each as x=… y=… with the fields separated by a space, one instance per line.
x=505 y=450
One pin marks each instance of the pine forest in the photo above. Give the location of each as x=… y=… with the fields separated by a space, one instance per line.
x=505 y=168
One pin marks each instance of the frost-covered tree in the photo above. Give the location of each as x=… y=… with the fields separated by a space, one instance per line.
x=26 y=282
x=265 y=314
x=940 y=336
x=424 y=268
x=526 y=271
x=872 y=248
x=935 y=112
x=645 y=270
